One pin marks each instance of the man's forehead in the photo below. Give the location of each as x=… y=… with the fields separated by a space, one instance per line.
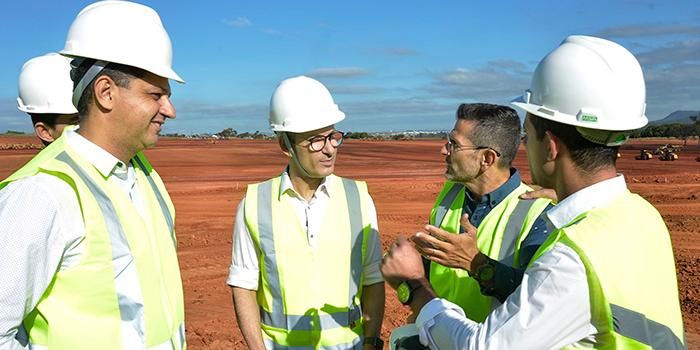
x=318 y=132
x=158 y=82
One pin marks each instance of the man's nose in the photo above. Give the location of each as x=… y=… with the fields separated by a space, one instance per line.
x=166 y=107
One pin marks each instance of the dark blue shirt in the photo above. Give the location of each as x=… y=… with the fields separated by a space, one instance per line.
x=506 y=278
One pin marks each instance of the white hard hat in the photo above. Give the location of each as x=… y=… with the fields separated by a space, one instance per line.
x=590 y=83
x=45 y=86
x=302 y=104
x=122 y=32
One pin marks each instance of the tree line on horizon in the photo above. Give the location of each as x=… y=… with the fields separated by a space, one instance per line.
x=679 y=131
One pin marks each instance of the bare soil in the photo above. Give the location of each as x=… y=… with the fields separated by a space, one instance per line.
x=206 y=180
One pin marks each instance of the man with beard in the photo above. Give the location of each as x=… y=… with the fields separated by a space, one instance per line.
x=479 y=272
x=588 y=286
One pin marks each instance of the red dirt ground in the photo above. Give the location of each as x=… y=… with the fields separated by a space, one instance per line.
x=207 y=180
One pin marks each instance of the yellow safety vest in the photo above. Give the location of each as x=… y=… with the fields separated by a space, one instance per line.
x=631 y=274
x=82 y=308
x=498 y=236
x=310 y=298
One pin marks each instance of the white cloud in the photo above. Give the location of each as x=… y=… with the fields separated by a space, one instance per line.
x=671 y=89
x=11 y=118
x=340 y=72
x=670 y=53
x=239 y=22
x=496 y=82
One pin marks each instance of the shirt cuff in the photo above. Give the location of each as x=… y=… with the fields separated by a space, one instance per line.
x=372 y=274
x=242 y=278
x=426 y=317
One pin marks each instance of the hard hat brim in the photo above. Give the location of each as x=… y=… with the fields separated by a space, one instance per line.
x=304 y=127
x=568 y=119
x=165 y=72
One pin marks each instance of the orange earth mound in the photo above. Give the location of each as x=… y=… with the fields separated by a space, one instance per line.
x=206 y=180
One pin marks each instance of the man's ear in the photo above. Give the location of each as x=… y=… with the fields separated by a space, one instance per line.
x=283 y=146
x=488 y=159
x=554 y=145
x=43 y=132
x=105 y=91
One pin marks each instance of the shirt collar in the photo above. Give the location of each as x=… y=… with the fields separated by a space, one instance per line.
x=286 y=185
x=499 y=194
x=584 y=200
x=102 y=160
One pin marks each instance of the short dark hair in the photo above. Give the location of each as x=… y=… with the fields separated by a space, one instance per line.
x=586 y=155
x=120 y=73
x=496 y=126
x=47 y=118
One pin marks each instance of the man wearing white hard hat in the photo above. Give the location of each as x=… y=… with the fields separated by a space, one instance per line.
x=306 y=252
x=606 y=278
x=45 y=91
x=87 y=226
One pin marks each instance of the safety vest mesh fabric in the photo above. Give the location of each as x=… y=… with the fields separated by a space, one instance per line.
x=626 y=250
x=310 y=298
x=83 y=307
x=499 y=236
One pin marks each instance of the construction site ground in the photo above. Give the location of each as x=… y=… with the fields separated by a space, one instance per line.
x=206 y=180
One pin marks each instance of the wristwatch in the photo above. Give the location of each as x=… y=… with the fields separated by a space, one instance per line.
x=485 y=272
x=376 y=342
x=405 y=291
x=485 y=276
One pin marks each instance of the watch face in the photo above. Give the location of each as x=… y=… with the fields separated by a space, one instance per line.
x=486 y=272
x=404 y=292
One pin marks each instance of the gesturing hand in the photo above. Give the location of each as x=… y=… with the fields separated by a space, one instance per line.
x=540 y=192
x=448 y=249
x=402 y=262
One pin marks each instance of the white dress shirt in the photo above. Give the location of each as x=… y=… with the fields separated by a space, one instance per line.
x=42 y=231
x=550 y=309
x=244 y=270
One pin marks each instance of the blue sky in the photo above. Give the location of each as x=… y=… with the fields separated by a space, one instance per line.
x=390 y=65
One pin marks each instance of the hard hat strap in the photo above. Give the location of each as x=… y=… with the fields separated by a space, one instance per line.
x=287 y=143
x=86 y=79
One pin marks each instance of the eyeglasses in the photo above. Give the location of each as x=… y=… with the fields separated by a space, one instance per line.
x=317 y=143
x=453 y=147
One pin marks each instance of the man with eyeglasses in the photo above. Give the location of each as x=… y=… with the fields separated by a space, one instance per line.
x=306 y=250
x=588 y=286
x=478 y=272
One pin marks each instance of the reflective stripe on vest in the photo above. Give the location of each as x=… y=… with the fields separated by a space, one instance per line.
x=509 y=241
x=355 y=345
x=498 y=236
x=130 y=310
x=636 y=326
x=614 y=242
x=89 y=304
x=161 y=200
x=307 y=322
x=444 y=206
x=512 y=231
x=178 y=342
x=276 y=317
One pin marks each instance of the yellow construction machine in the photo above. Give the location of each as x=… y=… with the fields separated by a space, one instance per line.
x=668 y=155
x=644 y=155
